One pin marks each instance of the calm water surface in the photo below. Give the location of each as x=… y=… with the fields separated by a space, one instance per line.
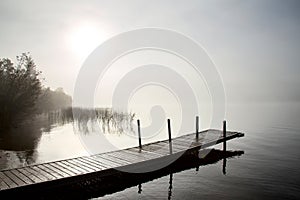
x=268 y=169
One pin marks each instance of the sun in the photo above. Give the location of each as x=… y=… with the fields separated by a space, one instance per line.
x=84 y=39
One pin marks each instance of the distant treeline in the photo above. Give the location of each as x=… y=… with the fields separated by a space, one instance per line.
x=50 y=100
x=22 y=95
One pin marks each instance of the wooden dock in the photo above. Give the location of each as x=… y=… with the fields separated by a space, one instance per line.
x=135 y=159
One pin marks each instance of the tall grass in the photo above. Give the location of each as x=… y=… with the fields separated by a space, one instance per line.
x=86 y=119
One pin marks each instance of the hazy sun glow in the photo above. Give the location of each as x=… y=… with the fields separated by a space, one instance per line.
x=84 y=39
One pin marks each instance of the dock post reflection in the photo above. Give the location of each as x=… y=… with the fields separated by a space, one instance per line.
x=170 y=186
x=224 y=165
x=140 y=188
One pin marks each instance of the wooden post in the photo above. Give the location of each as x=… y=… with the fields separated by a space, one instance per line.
x=169 y=130
x=224 y=135
x=139 y=133
x=170 y=137
x=197 y=127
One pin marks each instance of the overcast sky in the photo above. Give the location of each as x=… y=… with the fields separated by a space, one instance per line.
x=255 y=44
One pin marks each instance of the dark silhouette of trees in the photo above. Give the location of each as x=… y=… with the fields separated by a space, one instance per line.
x=20 y=87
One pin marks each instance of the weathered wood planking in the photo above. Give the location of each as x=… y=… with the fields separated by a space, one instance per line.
x=63 y=169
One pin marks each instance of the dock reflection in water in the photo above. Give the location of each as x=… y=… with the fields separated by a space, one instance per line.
x=185 y=163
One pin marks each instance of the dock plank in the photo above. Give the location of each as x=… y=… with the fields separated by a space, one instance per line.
x=125 y=157
x=110 y=160
x=162 y=148
x=7 y=180
x=156 y=149
x=14 y=178
x=165 y=147
x=140 y=154
x=93 y=164
x=56 y=175
x=112 y=164
x=175 y=146
x=56 y=170
x=3 y=184
x=153 y=155
x=128 y=154
x=60 y=169
x=22 y=176
x=32 y=177
x=86 y=169
x=86 y=165
x=118 y=160
x=91 y=160
x=67 y=168
x=74 y=168
x=36 y=173
x=44 y=173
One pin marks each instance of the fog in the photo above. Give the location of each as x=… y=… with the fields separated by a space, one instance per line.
x=254 y=44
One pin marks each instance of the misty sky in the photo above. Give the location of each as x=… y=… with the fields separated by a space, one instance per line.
x=255 y=44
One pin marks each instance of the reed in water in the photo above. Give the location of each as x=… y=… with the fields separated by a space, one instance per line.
x=85 y=119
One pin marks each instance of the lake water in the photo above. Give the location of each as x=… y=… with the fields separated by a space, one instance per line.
x=269 y=167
